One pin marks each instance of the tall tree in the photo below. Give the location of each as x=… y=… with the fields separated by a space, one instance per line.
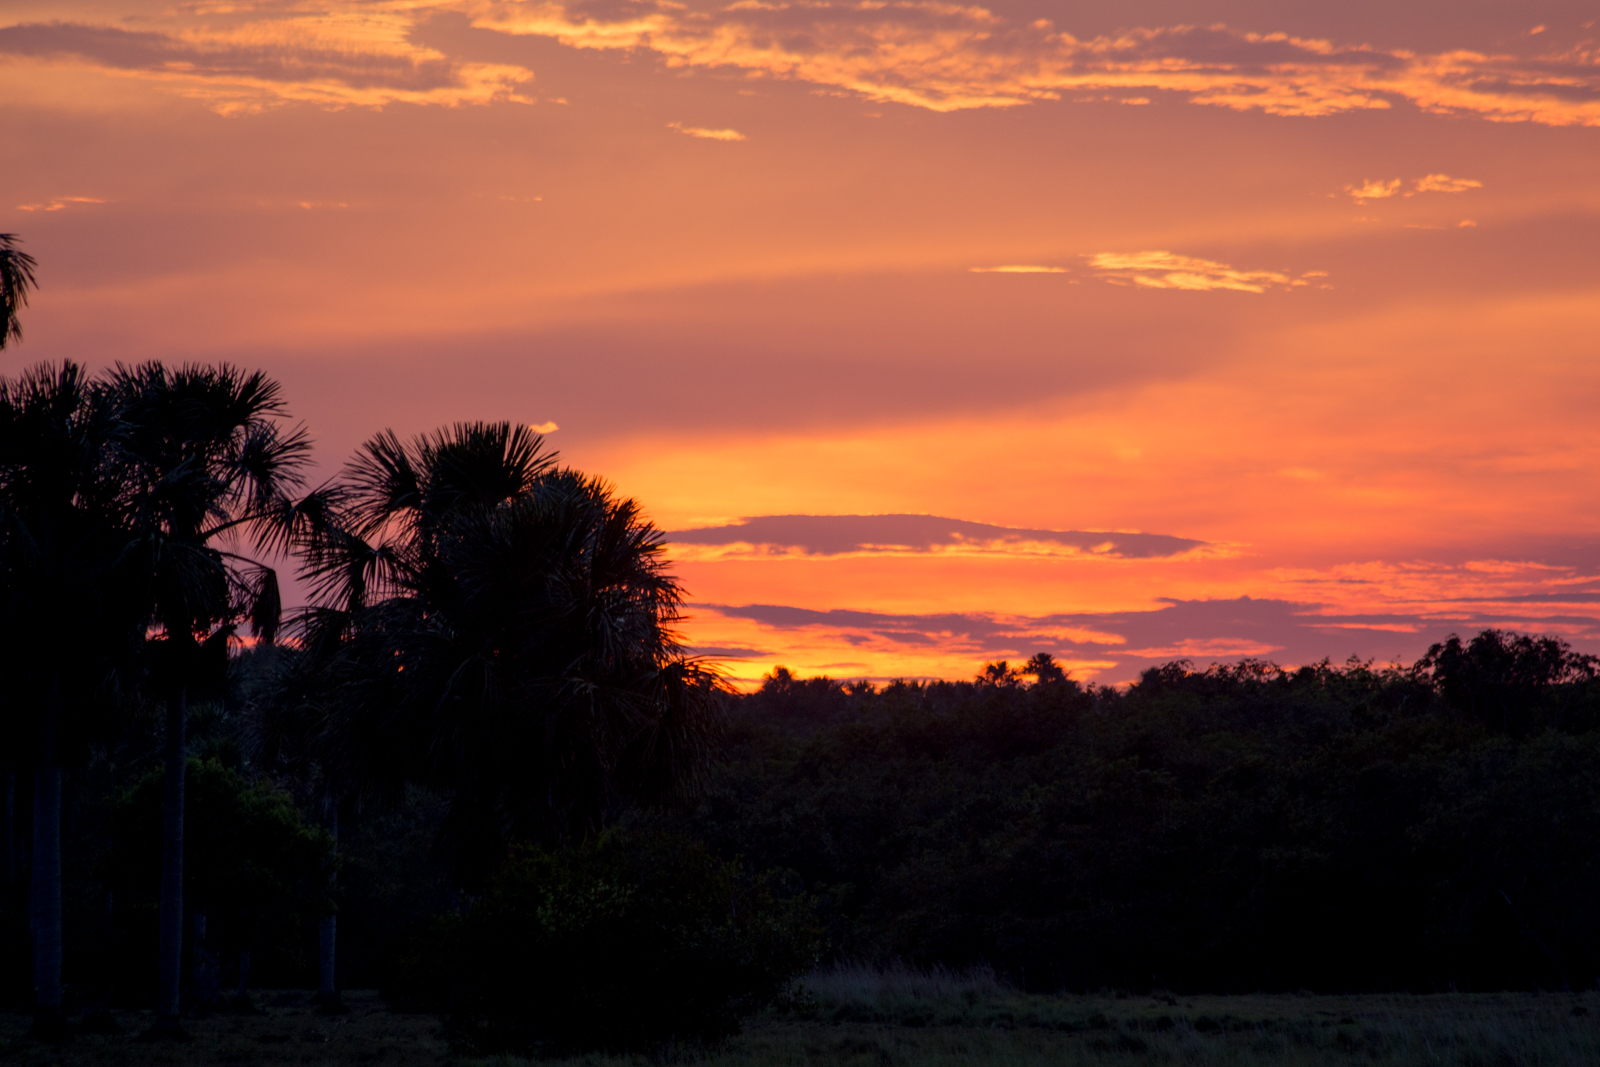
x=16 y=278
x=211 y=469
x=69 y=616
x=503 y=634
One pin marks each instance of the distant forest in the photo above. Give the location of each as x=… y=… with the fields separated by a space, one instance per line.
x=1234 y=828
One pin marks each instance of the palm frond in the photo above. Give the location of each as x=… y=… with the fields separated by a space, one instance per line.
x=16 y=278
x=498 y=628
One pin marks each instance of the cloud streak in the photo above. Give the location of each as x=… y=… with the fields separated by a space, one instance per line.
x=1165 y=270
x=1117 y=645
x=1373 y=190
x=922 y=53
x=346 y=55
x=1370 y=190
x=1018 y=268
x=812 y=536
x=59 y=203
x=706 y=134
x=1443 y=183
x=949 y=57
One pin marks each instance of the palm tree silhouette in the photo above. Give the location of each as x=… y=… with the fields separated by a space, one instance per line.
x=70 y=616
x=209 y=465
x=500 y=630
x=16 y=278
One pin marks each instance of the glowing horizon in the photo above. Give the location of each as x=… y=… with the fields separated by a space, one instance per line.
x=938 y=333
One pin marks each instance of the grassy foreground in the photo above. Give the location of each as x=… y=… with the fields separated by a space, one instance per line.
x=862 y=1019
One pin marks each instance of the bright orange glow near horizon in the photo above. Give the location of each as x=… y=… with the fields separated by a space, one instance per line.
x=1187 y=330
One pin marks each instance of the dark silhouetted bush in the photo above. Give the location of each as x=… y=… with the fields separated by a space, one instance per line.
x=252 y=866
x=632 y=943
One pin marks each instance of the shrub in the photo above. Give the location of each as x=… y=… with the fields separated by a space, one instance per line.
x=251 y=865
x=630 y=943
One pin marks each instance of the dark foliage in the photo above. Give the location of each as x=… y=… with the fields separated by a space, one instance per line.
x=1242 y=827
x=627 y=943
x=389 y=888
x=253 y=868
x=70 y=623
x=499 y=631
x=16 y=278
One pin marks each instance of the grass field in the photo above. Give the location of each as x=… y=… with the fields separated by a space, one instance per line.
x=869 y=1019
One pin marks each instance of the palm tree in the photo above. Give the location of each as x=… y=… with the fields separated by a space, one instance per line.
x=16 y=278
x=209 y=465
x=501 y=632
x=69 y=615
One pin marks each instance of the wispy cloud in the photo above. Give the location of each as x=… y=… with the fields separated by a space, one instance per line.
x=337 y=55
x=1165 y=270
x=1443 y=183
x=59 y=203
x=1370 y=190
x=543 y=427
x=945 y=56
x=244 y=56
x=1116 y=645
x=778 y=536
x=726 y=651
x=706 y=134
x=1018 y=268
x=1373 y=190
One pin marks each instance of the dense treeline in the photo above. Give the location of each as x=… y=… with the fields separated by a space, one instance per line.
x=1233 y=828
x=1229 y=828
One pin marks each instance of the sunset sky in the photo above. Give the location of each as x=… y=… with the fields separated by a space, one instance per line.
x=936 y=333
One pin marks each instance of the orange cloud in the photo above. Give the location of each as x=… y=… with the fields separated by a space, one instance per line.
x=922 y=53
x=844 y=536
x=1018 y=268
x=1378 y=610
x=1370 y=190
x=706 y=134
x=344 y=55
x=947 y=57
x=1373 y=190
x=1164 y=270
x=1443 y=183
x=59 y=203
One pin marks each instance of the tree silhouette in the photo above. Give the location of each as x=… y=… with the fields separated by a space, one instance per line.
x=1044 y=669
x=16 y=278
x=503 y=635
x=70 y=617
x=209 y=465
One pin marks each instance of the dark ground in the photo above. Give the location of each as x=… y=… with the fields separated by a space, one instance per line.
x=863 y=1019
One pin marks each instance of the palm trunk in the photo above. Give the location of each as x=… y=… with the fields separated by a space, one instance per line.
x=170 y=973
x=327 y=936
x=45 y=912
x=11 y=829
x=207 y=963
x=242 y=993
